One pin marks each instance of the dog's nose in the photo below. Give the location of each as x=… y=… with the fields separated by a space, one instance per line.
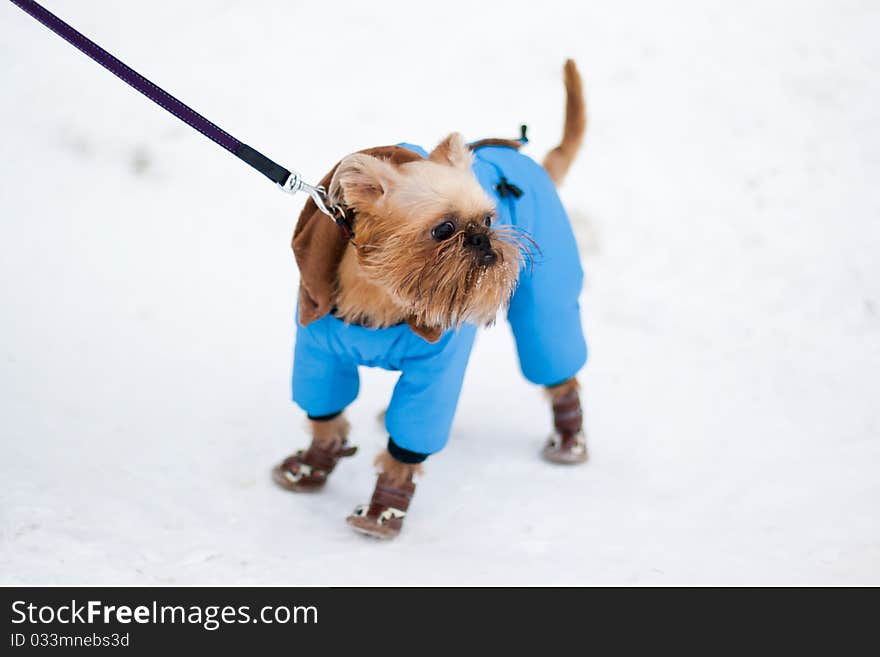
x=479 y=241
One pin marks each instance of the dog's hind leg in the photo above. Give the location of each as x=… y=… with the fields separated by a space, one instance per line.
x=308 y=469
x=568 y=443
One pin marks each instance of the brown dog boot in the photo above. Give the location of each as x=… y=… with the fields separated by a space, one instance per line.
x=383 y=516
x=567 y=444
x=307 y=470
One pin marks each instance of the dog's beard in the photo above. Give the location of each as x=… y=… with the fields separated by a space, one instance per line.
x=447 y=286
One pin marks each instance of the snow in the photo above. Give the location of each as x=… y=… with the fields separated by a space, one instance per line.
x=729 y=213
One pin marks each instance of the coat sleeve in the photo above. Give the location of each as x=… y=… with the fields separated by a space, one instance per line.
x=423 y=405
x=322 y=382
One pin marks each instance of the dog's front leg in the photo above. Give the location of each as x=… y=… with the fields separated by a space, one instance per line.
x=307 y=470
x=383 y=516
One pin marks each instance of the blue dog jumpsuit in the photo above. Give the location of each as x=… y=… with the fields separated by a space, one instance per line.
x=544 y=314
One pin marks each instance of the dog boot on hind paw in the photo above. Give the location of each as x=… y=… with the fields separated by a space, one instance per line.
x=568 y=444
x=307 y=470
x=383 y=516
x=568 y=449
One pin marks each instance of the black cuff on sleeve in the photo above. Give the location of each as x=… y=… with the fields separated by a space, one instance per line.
x=324 y=418
x=404 y=455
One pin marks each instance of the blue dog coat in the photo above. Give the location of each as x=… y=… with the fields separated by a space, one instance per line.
x=544 y=314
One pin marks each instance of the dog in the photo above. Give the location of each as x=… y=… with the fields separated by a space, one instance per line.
x=441 y=242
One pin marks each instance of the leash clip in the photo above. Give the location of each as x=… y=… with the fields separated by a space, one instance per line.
x=295 y=183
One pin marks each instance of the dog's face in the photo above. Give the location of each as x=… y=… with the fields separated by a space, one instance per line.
x=425 y=234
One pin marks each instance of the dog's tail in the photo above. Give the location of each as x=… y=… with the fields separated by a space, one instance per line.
x=557 y=161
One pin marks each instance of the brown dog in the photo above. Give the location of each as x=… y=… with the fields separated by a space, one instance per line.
x=442 y=242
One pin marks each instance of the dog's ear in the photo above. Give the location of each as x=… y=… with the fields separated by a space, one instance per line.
x=361 y=179
x=453 y=151
x=430 y=334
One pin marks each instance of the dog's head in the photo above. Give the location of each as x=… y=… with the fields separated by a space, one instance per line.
x=426 y=235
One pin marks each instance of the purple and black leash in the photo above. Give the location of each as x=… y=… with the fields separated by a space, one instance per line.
x=289 y=181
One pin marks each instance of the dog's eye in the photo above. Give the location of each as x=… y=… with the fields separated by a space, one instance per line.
x=443 y=231
x=488 y=220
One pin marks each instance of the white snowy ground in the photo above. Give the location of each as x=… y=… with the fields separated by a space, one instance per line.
x=728 y=203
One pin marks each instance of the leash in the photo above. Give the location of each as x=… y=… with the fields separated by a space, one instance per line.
x=287 y=180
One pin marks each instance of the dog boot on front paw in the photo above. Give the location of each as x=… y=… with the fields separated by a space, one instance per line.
x=568 y=444
x=383 y=516
x=307 y=470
